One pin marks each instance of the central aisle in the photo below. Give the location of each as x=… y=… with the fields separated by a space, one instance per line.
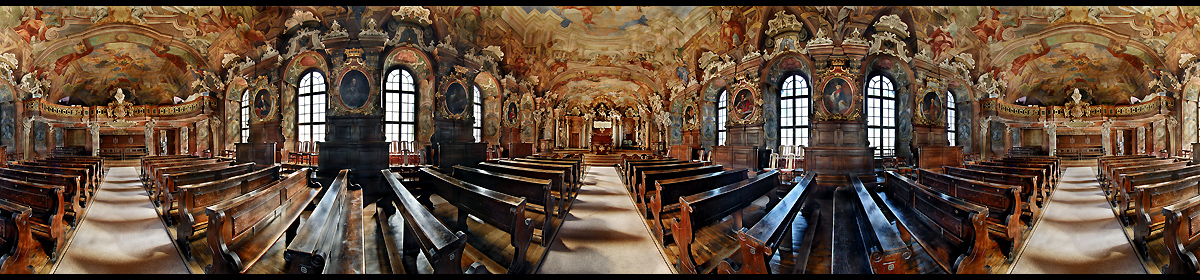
x=603 y=232
x=1078 y=232
x=121 y=233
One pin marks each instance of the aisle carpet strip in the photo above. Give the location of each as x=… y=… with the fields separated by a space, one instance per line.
x=603 y=232
x=121 y=233
x=1078 y=232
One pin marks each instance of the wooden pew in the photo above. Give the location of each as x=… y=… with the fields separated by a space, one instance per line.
x=408 y=228
x=629 y=164
x=760 y=242
x=577 y=165
x=1047 y=173
x=245 y=227
x=504 y=212
x=558 y=185
x=332 y=239
x=1003 y=202
x=1111 y=187
x=16 y=238
x=538 y=199
x=955 y=234
x=193 y=200
x=664 y=200
x=1055 y=164
x=172 y=181
x=1043 y=184
x=92 y=176
x=1028 y=184
x=146 y=160
x=84 y=177
x=568 y=176
x=72 y=188
x=635 y=170
x=157 y=191
x=95 y=167
x=648 y=177
x=1126 y=180
x=1149 y=200
x=638 y=173
x=158 y=168
x=699 y=222
x=148 y=165
x=1181 y=235
x=865 y=241
x=46 y=201
x=1106 y=170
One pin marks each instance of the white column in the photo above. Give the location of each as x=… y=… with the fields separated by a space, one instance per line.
x=183 y=140
x=95 y=129
x=1106 y=137
x=1052 y=130
x=28 y=126
x=1141 y=140
x=150 y=147
x=1121 y=143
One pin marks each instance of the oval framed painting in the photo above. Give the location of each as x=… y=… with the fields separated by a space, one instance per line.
x=931 y=107
x=263 y=103
x=457 y=99
x=354 y=88
x=838 y=96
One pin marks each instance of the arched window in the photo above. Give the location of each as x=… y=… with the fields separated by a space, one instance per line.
x=951 y=121
x=721 y=118
x=246 y=116
x=311 y=99
x=793 y=111
x=400 y=106
x=477 y=113
x=881 y=115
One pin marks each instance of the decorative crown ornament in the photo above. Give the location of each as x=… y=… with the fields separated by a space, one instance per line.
x=892 y=24
x=784 y=22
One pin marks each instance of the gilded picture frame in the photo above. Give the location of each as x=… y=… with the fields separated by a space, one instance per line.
x=838 y=99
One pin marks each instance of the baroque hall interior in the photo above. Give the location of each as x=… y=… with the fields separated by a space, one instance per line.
x=599 y=139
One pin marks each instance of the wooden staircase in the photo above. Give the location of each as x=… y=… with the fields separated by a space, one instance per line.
x=601 y=160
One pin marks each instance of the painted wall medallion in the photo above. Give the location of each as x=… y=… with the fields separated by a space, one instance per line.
x=355 y=89
x=690 y=117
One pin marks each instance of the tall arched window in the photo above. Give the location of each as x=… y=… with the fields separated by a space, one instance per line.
x=311 y=99
x=721 y=118
x=881 y=115
x=246 y=116
x=793 y=111
x=400 y=106
x=477 y=112
x=951 y=121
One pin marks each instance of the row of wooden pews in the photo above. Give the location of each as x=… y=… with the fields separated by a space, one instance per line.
x=1157 y=198
x=502 y=215
x=41 y=202
x=227 y=217
x=707 y=219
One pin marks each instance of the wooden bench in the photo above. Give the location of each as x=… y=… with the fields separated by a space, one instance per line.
x=1149 y=200
x=1181 y=235
x=539 y=200
x=865 y=241
x=158 y=190
x=649 y=177
x=332 y=240
x=775 y=231
x=573 y=184
x=245 y=227
x=504 y=212
x=46 y=220
x=628 y=165
x=1055 y=164
x=72 y=188
x=1043 y=184
x=664 y=199
x=17 y=245
x=558 y=184
x=158 y=168
x=408 y=229
x=1003 y=202
x=146 y=160
x=636 y=181
x=148 y=165
x=172 y=181
x=87 y=192
x=700 y=221
x=1047 y=172
x=576 y=165
x=193 y=199
x=1126 y=183
x=1027 y=183
x=93 y=177
x=94 y=167
x=951 y=231
x=1112 y=186
x=1106 y=170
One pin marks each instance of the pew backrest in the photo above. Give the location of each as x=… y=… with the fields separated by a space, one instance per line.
x=332 y=239
x=242 y=229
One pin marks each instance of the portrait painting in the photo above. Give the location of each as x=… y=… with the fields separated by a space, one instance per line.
x=262 y=103
x=743 y=105
x=354 y=88
x=839 y=96
x=689 y=117
x=456 y=98
x=510 y=112
x=931 y=107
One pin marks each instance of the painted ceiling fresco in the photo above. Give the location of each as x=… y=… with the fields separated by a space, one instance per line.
x=1041 y=52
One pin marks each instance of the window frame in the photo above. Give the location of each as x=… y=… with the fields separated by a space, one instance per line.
x=951 y=119
x=800 y=122
x=311 y=123
x=405 y=115
x=880 y=124
x=245 y=116
x=477 y=113
x=721 y=112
